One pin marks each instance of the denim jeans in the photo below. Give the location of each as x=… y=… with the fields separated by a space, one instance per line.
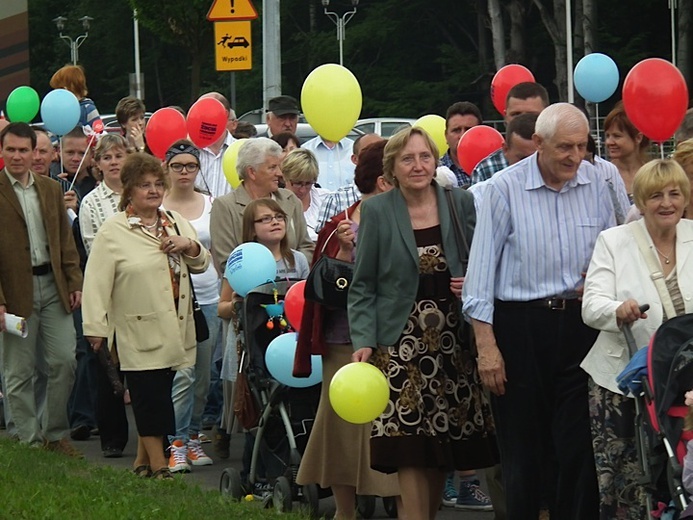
x=191 y=385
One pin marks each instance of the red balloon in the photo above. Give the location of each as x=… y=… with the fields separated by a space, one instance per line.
x=476 y=144
x=655 y=97
x=505 y=79
x=206 y=121
x=164 y=128
x=294 y=301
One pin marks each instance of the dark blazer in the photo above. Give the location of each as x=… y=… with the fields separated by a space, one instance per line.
x=16 y=279
x=386 y=272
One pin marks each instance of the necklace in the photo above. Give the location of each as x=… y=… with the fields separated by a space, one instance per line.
x=156 y=224
x=666 y=257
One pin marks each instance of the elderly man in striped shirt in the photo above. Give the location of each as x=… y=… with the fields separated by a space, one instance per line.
x=534 y=238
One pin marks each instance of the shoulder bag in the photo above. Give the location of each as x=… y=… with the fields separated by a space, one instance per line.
x=201 y=328
x=329 y=279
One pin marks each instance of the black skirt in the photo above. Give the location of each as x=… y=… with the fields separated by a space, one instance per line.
x=150 y=393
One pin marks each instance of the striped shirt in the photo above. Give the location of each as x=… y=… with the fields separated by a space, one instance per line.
x=532 y=241
x=335 y=203
x=96 y=207
x=211 y=178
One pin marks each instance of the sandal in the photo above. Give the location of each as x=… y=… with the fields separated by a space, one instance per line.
x=143 y=471
x=162 y=474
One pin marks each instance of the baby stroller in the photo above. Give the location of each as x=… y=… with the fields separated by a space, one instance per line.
x=660 y=408
x=286 y=414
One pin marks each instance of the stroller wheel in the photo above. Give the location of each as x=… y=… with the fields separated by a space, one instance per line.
x=365 y=505
x=282 y=495
x=390 y=505
x=230 y=484
x=310 y=498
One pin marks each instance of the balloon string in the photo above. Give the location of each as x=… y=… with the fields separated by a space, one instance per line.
x=91 y=140
x=661 y=150
x=60 y=138
x=599 y=139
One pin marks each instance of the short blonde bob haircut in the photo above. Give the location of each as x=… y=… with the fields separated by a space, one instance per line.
x=300 y=165
x=656 y=175
x=684 y=154
x=396 y=144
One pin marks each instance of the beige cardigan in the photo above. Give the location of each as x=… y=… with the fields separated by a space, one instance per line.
x=127 y=290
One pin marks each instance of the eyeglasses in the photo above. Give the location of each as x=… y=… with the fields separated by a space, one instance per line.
x=190 y=167
x=306 y=184
x=148 y=186
x=269 y=218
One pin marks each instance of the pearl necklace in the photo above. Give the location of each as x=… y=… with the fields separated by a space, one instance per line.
x=666 y=257
x=153 y=226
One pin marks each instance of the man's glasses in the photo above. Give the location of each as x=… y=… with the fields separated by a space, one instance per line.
x=190 y=167
x=269 y=218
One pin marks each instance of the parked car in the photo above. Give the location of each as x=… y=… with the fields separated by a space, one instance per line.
x=383 y=126
x=305 y=132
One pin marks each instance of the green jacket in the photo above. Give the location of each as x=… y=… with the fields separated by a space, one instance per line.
x=386 y=272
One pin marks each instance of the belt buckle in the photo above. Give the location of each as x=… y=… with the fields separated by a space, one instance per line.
x=556 y=304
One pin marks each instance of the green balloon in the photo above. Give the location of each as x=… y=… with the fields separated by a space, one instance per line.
x=22 y=105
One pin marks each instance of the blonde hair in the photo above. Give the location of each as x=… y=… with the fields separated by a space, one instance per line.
x=397 y=143
x=300 y=165
x=655 y=176
x=108 y=142
x=684 y=153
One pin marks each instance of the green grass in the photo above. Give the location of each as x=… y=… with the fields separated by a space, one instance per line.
x=36 y=484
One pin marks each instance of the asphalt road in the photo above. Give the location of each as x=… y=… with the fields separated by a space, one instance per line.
x=209 y=476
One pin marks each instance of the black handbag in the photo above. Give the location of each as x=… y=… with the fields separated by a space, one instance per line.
x=201 y=327
x=329 y=280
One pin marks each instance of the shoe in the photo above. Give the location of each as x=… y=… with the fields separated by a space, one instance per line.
x=204 y=439
x=471 y=498
x=112 y=453
x=64 y=447
x=95 y=432
x=220 y=442
x=162 y=474
x=177 y=461
x=196 y=454
x=80 y=433
x=143 y=471
x=450 y=492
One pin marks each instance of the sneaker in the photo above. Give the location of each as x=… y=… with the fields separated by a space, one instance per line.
x=204 y=438
x=472 y=498
x=450 y=492
x=196 y=454
x=221 y=442
x=80 y=433
x=64 y=447
x=177 y=461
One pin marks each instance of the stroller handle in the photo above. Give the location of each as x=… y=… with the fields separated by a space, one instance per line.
x=628 y=333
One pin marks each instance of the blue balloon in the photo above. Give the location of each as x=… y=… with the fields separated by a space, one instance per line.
x=60 y=111
x=596 y=77
x=279 y=358
x=249 y=265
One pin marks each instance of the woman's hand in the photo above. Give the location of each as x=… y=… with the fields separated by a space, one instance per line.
x=628 y=312
x=362 y=354
x=456 y=284
x=346 y=236
x=175 y=244
x=135 y=137
x=95 y=342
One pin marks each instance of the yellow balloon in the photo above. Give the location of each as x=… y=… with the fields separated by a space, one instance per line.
x=359 y=393
x=435 y=126
x=228 y=163
x=331 y=101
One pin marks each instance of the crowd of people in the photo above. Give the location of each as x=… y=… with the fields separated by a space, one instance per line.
x=493 y=307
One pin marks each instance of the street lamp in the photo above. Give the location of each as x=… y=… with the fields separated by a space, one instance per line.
x=340 y=22
x=73 y=44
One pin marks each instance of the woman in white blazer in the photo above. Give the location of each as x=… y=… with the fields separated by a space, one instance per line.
x=618 y=282
x=137 y=294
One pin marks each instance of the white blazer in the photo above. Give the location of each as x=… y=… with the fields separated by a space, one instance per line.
x=618 y=272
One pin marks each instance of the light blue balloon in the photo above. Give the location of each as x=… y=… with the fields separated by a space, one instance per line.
x=60 y=111
x=249 y=265
x=596 y=77
x=279 y=358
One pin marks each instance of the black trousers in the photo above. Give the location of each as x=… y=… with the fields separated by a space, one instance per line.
x=110 y=415
x=542 y=421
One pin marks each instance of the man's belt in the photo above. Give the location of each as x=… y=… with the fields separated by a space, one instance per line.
x=553 y=304
x=41 y=270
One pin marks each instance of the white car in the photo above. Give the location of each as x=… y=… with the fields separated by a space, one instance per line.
x=383 y=126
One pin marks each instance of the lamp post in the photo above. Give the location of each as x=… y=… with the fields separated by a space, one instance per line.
x=340 y=22
x=73 y=44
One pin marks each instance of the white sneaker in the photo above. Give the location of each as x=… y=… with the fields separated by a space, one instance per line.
x=196 y=454
x=177 y=461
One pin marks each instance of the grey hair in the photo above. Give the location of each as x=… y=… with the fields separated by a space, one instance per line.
x=560 y=114
x=254 y=152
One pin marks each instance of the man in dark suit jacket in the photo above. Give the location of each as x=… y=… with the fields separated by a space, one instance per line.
x=40 y=280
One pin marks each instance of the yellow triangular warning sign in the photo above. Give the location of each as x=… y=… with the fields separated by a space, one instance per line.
x=231 y=10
